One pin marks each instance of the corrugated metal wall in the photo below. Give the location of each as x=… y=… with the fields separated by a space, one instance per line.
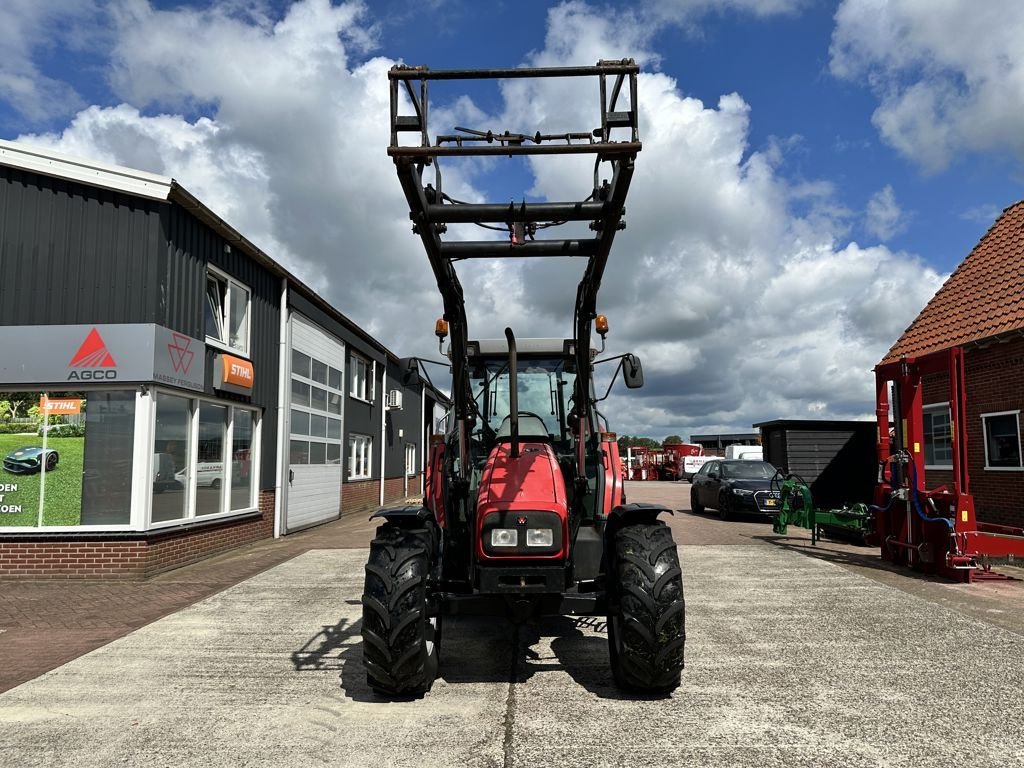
x=837 y=463
x=190 y=246
x=71 y=253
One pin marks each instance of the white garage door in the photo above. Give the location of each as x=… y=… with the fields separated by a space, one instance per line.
x=314 y=426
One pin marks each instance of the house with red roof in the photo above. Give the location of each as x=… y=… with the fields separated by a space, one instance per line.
x=980 y=308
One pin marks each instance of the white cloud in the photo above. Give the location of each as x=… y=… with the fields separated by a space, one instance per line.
x=884 y=218
x=949 y=76
x=728 y=280
x=27 y=28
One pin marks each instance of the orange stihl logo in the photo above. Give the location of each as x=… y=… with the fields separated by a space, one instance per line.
x=237 y=371
x=63 y=405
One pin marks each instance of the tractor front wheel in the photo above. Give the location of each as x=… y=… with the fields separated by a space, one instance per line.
x=646 y=625
x=401 y=642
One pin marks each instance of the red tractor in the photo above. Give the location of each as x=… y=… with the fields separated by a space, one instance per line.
x=524 y=513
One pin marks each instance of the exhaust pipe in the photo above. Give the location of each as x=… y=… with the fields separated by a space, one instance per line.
x=513 y=392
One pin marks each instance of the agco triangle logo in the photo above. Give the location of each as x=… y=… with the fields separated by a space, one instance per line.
x=93 y=354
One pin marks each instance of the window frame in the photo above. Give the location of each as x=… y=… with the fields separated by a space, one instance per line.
x=356 y=363
x=410 y=466
x=984 y=437
x=937 y=408
x=144 y=435
x=232 y=287
x=361 y=446
x=255 y=457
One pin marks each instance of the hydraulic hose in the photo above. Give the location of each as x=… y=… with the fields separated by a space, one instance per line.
x=917 y=500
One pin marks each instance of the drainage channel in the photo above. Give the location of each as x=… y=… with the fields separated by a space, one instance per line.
x=510 y=700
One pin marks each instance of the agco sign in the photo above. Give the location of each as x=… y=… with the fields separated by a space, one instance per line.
x=92 y=361
x=100 y=353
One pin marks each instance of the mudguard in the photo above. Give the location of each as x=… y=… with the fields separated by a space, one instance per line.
x=626 y=514
x=406 y=516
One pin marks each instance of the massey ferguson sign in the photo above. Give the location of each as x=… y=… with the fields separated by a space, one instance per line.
x=94 y=354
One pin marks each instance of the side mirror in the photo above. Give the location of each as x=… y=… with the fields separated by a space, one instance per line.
x=712 y=475
x=409 y=367
x=632 y=371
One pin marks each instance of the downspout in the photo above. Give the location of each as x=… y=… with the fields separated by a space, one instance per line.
x=383 y=421
x=283 y=368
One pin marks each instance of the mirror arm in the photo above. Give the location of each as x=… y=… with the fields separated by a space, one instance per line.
x=615 y=375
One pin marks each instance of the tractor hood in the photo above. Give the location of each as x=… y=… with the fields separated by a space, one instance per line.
x=522 y=493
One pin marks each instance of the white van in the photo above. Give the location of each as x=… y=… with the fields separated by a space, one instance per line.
x=748 y=452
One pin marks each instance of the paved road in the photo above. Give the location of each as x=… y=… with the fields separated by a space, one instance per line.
x=791 y=660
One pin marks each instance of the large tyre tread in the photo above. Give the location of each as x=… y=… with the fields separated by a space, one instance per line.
x=649 y=628
x=395 y=627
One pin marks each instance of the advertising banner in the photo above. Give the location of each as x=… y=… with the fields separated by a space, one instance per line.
x=73 y=355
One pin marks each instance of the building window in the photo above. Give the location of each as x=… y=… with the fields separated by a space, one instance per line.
x=1002 y=440
x=66 y=459
x=938 y=437
x=171 y=452
x=226 y=314
x=361 y=379
x=360 y=453
x=315 y=419
x=410 y=459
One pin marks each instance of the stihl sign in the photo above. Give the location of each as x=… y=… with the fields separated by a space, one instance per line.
x=59 y=406
x=236 y=374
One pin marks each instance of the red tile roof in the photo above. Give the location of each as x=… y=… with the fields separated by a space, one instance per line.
x=983 y=298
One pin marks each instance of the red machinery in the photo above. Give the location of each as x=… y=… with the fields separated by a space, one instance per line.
x=671 y=466
x=524 y=512
x=930 y=530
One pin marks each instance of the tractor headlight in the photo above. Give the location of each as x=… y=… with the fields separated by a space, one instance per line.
x=742 y=492
x=539 y=537
x=504 y=537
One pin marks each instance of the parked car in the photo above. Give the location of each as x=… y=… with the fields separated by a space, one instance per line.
x=27 y=460
x=734 y=486
x=208 y=473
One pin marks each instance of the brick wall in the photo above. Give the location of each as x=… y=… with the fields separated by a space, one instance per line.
x=360 y=496
x=994 y=383
x=72 y=556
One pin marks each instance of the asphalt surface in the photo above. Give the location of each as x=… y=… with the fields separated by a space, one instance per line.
x=795 y=656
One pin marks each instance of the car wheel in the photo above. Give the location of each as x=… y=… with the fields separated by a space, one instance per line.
x=724 y=506
x=215 y=483
x=695 y=506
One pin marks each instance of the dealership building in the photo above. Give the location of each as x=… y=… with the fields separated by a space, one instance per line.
x=167 y=390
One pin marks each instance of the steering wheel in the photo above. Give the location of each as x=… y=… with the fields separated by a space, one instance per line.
x=508 y=420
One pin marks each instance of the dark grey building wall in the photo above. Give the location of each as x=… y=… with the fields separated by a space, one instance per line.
x=71 y=253
x=406 y=420
x=190 y=245
x=835 y=459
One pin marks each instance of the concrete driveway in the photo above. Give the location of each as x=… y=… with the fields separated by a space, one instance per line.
x=791 y=660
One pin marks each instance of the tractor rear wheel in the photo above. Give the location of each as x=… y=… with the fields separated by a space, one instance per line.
x=401 y=643
x=647 y=627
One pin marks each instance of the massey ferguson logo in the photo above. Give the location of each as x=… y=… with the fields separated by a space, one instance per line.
x=93 y=360
x=181 y=355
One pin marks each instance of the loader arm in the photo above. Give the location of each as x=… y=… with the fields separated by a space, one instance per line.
x=615 y=141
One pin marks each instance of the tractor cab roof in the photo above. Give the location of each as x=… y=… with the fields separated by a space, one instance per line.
x=528 y=347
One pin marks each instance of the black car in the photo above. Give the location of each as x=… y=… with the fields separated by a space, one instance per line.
x=734 y=486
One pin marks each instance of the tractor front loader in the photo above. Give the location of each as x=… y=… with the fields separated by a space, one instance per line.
x=524 y=513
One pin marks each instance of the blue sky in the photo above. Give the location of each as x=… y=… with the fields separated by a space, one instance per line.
x=812 y=170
